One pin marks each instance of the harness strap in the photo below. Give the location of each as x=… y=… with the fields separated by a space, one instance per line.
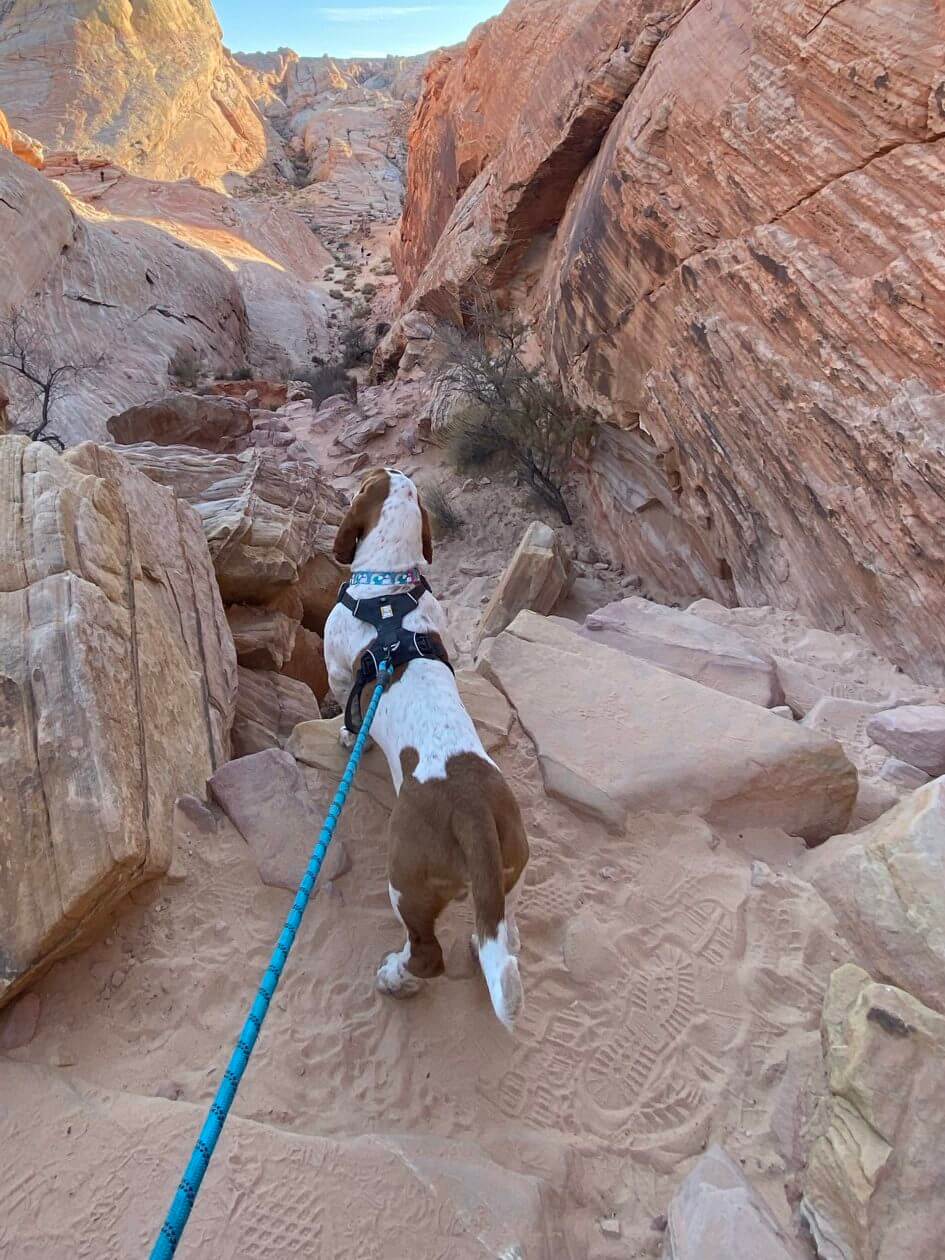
x=393 y=645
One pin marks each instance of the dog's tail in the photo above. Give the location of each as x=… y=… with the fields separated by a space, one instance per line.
x=476 y=834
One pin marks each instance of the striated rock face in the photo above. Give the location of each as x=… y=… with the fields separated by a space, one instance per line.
x=117 y=676
x=117 y=294
x=344 y=123
x=269 y=707
x=148 y=84
x=874 y=1183
x=264 y=517
x=275 y=259
x=724 y=219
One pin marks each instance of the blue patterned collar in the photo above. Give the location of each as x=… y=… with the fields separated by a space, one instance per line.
x=370 y=577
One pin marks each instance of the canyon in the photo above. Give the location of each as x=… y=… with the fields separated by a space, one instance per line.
x=234 y=283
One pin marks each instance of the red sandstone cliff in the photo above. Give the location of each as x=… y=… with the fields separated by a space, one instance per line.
x=726 y=220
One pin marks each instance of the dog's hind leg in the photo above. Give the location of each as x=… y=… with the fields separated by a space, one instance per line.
x=402 y=974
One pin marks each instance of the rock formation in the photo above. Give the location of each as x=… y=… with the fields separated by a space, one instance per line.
x=115 y=297
x=684 y=743
x=344 y=124
x=149 y=85
x=720 y=218
x=277 y=262
x=118 y=678
x=875 y=1182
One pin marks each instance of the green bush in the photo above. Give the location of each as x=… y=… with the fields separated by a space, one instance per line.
x=507 y=413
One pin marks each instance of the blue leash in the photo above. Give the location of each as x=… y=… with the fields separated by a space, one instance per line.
x=176 y=1219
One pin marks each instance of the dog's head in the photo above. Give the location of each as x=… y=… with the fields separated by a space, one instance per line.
x=387 y=501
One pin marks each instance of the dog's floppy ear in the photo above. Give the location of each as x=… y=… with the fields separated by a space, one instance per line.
x=349 y=534
x=426 y=534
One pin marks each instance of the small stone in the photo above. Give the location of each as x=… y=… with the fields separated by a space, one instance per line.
x=609 y=1226
x=168 y=1090
x=195 y=811
x=118 y=978
x=901 y=774
x=760 y=874
x=63 y=1059
x=783 y=711
x=658 y=1224
x=485 y=481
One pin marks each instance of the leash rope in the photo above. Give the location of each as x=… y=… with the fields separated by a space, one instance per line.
x=176 y=1219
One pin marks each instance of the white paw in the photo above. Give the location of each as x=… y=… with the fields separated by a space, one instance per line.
x=346 y=738
x=395 y=980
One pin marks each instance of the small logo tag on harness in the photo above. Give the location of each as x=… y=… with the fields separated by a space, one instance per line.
x=386 y=610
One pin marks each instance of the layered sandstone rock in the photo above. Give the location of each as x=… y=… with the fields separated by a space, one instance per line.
x=277 y=262
x=742 y=282
x=681 y=746
x=536 y=577
x=269 y=707
x=118 y=676
x=885 y=886
x=874 y=1184
x=150 y=85
x=264 y=516
x=222 y=425
x=915 y=733
x=115 y=297
x=345 y=124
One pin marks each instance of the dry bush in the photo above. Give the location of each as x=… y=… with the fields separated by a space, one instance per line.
x=186 y=367
x=326 y=382
x=507 y=413
x=27 y=355
x=444 y=518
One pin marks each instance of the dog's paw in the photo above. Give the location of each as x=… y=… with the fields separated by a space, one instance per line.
x=346 y=738
x=394 y=980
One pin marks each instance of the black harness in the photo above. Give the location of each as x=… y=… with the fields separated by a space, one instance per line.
x=392 y=643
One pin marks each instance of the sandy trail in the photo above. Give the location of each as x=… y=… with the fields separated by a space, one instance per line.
x=673 y=994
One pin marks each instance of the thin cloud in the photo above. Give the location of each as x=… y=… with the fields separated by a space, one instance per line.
x=376 y=13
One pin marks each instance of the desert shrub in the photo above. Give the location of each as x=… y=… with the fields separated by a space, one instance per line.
x=354 y=348
x=369 y=290
x=444 y=518
x=507 y=413
x=326 y=382
x=336 y=294
x=186 y=367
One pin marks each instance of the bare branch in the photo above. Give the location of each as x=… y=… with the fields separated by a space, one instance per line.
x=25 y=353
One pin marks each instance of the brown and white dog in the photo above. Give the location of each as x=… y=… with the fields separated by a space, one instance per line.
x=456 y=822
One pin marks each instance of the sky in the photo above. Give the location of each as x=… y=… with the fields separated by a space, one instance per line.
x=360 y=28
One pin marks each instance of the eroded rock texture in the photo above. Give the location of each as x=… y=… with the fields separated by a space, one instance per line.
x=117 y=687
x=725 y=219
x=148 y=83
x=344 y=124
